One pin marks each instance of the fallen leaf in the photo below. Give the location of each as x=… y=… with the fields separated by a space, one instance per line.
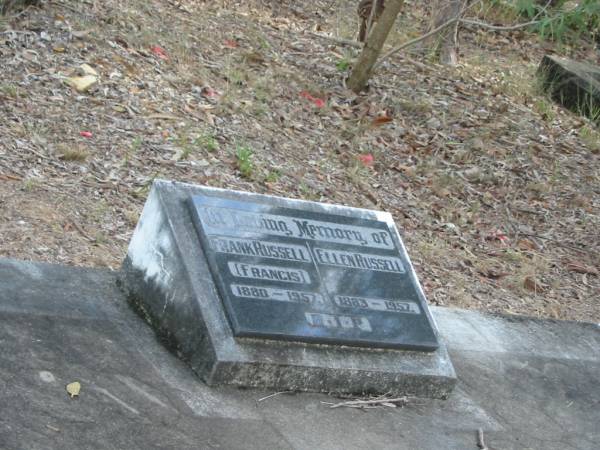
x=85 y=134
x=367 y=159
x=381 y=120
x=526 y=244
x=532 y=284
x=88 y=70
x=230 y=43
x=82 y=84
x=73 y=389
x=160 y=52
x=319 y=102
x=581 y=268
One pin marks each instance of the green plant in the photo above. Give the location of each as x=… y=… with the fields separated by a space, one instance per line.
x=544 y=109
x=273 y=176
x=207 y=141
x=343 y=64
x=590 y=137
x=565 y=20
x=245 y=164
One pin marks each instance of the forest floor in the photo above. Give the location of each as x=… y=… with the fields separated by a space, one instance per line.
x=495 y=189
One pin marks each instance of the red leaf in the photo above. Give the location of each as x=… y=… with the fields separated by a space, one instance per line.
x=207 y=91
x=85 y=134
x=498 y=236
x=381 y=120
x=319 y=102
x=230 y=43
x=160 y=52
x=367 y=159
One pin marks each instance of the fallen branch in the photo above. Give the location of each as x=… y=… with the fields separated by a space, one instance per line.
x=390 y=402
x=480 y=442
x=337 y=40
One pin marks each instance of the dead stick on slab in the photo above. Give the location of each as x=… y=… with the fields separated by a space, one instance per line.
x=373 y=402
x=273 y=395
x=480 y=442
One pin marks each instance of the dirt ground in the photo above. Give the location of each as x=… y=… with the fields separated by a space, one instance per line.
x=494 y=188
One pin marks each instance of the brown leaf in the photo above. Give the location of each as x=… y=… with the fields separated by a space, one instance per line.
x=581 y=268
x=526 y=244
x=381 y=120
x=531 y=284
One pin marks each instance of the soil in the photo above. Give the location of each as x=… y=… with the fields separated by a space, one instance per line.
x=494 y=188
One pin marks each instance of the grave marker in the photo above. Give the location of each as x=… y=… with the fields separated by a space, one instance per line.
x=255 y=290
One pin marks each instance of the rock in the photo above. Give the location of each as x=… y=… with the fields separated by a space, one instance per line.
x=574 y=85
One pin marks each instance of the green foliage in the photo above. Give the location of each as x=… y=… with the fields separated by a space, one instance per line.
x=564 y=21
x=245 y=164
x=207 y=141
x=343 y=64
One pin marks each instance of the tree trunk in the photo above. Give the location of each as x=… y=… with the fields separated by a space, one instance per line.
x=364 y=65
x=445 y=44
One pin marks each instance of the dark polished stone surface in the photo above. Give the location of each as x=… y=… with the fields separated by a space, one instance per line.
x=299 y=275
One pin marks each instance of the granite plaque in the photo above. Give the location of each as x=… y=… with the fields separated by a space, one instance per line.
x=300 y=275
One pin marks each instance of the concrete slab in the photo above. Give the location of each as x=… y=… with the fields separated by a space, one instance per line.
x=529 y=384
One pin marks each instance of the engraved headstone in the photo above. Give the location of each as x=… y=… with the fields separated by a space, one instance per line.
x=256 y=290
x=316 y=277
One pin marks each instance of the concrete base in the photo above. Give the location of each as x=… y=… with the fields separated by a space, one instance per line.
x=167 y=279
x=528 y=384
x=573 y=84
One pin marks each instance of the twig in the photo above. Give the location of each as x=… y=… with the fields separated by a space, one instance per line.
x=371 y=402
x=480 y=442
x=274 y=395
x=336 y=40
x=498 y=27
